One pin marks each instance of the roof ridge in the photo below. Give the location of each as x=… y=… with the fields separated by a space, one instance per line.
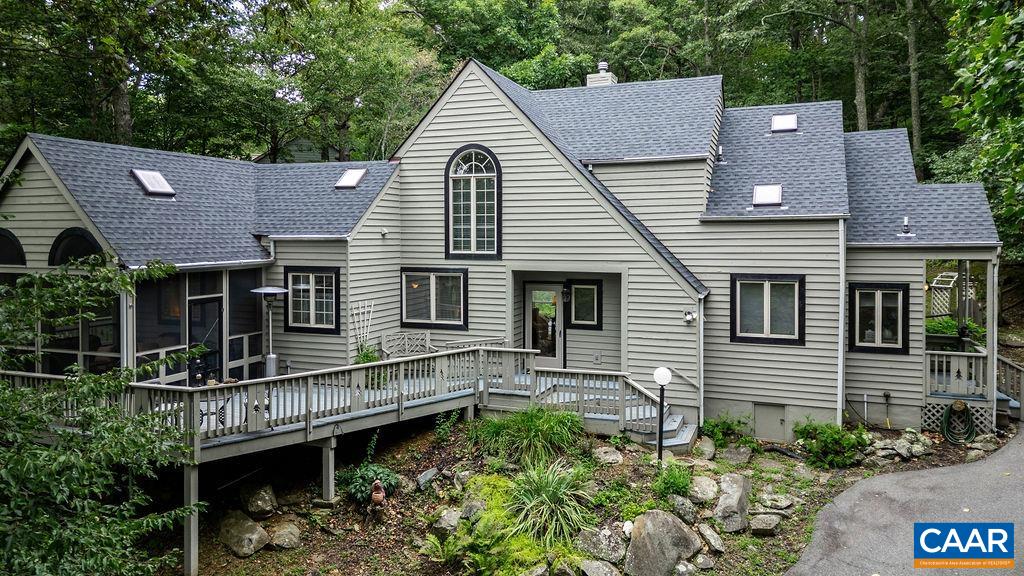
x=763 y=106
x=36 y=135
x=619 y=85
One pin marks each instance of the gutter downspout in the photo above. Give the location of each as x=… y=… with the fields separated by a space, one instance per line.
x=700 y=360
x=841 y=357
x=347 y=306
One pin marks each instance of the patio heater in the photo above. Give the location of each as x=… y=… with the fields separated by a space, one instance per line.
x=662 y=376
x=270 y=293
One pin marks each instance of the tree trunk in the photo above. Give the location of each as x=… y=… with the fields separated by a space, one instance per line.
x=859 y=32
x=344 y=149
x=122 y=108
x=915 y=94
x=795 y=44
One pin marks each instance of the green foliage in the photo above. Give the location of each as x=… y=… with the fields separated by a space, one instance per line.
x=551 y=69
x=447 y=552
x=830 y=445
x=724 y=429
x=625 y=501
x=550 y=503
x=76 y=505
x=532 y=437
x=357 y=482
x=750 y=442
x=619 y=440
x=444 y=425
x=672 y=479
x=948 y=325
x=367 y=354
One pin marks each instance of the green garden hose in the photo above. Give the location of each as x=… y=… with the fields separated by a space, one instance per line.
x=958 y=423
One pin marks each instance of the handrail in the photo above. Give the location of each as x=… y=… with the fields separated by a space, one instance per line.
x=980 y=354
x=1013 y=364
x=685 y=378
x=571 y=371
x=474 y=342
x=32 y=375
x=640 y=388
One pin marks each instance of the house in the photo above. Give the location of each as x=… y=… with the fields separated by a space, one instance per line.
x=777 y=265
x=299 y=149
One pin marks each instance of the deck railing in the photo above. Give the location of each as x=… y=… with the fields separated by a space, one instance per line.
x=1009 y=376
x=961 y=374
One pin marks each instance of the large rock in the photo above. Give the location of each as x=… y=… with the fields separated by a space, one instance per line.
x=704 y=448
x=902 y=447
x=731 y=510
x=284 y=535
x=471 y=508
x=973 y=455
x=737 y=455
x=538 y=570
x=598 y=568
x=703 y=489
x=714 y=541
x=684 y=568
x=765 y=525
x=776 y=501
x=607 y=455
x=983 y=446
x=449 y=521
x=425 y=478
x=602 y=544
x=685 y=509
x=660 y=541
x=241 y=535
x=704 y=562
x=258 y=500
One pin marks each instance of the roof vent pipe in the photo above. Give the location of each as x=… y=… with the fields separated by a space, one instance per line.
x=603 y=76
x=906 y=224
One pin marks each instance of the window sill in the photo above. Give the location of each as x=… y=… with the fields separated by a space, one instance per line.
x=311 y=330
x=472 y=256
x=891 y=350
x=768 y=340
x=464 y=327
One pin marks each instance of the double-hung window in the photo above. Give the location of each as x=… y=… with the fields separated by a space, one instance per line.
x=879 y=321
x=312 y=299
x=767 y=308
x=435 y=298
x=473 y=204
x=585 y=304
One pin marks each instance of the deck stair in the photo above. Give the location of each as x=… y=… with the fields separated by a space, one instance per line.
x=679 y=436
x=1009 y=380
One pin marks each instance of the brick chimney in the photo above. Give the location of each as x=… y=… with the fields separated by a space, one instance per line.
x=603 y=76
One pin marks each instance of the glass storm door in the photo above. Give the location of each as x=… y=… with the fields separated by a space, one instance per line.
x=543 y=323
x=204 y=328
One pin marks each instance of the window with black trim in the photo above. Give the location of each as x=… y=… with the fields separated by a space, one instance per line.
x=767 y=308
x=11 y=252
x=435 y=298
x=473 y=204
x=73 y=244
x=312 y=299
x=585 y=304
x=880 y=318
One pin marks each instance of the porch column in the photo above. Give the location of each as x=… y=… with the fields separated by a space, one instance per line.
x=327 y=447
x=192 y=521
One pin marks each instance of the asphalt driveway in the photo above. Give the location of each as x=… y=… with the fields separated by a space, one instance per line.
x=869 y=529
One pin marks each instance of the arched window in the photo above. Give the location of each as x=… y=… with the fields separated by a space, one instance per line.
x=72 y=244
x=473 y=204
x=11 y=252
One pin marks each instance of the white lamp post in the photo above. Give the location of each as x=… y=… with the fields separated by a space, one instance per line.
x=270 y=293
x=662 y=376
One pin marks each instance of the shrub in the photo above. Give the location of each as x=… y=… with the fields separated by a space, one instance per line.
x=549 y=503
x=444 y=424
x=367 y=354
x=830 y=445
x=358 y=482
x=532 y=437
x=622 y=500
x=672 y=480
x=948 y=325
x=448 y=551
x=723 y=429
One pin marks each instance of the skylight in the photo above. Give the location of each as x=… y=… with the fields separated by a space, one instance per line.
x=153 y=182
x=768 y=195
x=784 y=123
x=351 y=178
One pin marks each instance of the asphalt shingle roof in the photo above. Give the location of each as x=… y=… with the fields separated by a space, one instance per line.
x=884 y=189
x=218 y=207
x=300 y=199
x=808 y=163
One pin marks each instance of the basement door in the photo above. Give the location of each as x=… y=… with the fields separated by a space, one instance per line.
x=543 y=323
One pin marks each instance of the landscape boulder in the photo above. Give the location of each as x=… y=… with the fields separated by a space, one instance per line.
x=765 y=525
x=685 y=509
x=258 y=500
x=241 y=535
x=599 y=568
x=983 y=446
x=714 y=541
x=284 y=535
x=684 y=568
x=704 y=562
x=607 y=455
x=449 y=521
x=776 y=501
x=903 y=448
x=425 y=478
x=973 y=455
x=471 y=508
x=703 y=489
x=732 y=506
x=602 y=544
x=737 y=455
x=660 y=541
x=704 y=448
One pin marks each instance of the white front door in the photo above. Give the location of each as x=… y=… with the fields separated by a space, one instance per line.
x=543 y=323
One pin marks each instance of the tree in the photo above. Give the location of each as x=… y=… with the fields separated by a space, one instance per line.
x=73 y=504
x=987 y=47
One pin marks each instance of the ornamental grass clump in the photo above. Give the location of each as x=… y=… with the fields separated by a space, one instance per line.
x=549 y=503
x=532 y=437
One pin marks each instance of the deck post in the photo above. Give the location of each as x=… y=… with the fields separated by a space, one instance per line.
x=191 y=477
x=485 y=394
x=622 y=403
x=327 y=447
x=992 y=327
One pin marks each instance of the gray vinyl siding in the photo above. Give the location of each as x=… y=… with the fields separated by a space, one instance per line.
x=374 y=263
x=308 y=351
x=39 y=212
x=550 y=221
x=900 y=375
x=580 y=345
x=669 y=197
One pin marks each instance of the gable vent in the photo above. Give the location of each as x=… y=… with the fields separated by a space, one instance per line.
x=768 y=195
x=351 y=178
x=784 y=123
x=153 y=183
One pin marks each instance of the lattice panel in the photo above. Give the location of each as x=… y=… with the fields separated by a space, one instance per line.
x=940 y=300
x=931 y=417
